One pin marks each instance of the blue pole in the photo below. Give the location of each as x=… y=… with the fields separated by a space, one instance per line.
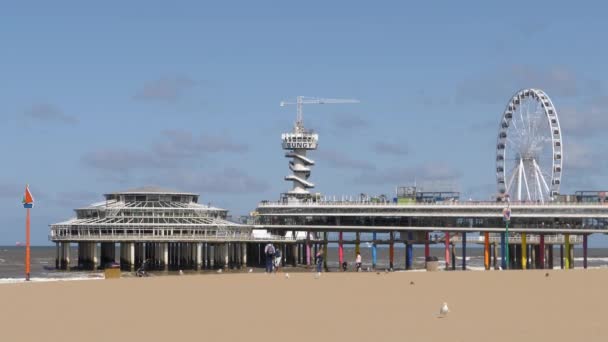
x=464 y=250
x=374 y=251
x=409 y=252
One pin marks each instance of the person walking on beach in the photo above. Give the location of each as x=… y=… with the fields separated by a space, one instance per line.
x=269 y=252
x=319 y=260
x=358 y=262
x=277 y=260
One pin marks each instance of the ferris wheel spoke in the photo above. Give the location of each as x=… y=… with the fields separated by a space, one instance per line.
x=525 y=181
x=540 y=191
x=540 y=174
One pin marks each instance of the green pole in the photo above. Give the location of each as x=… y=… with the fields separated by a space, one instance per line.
x=507 y=245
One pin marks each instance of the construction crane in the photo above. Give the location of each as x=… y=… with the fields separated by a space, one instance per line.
x=302 y=100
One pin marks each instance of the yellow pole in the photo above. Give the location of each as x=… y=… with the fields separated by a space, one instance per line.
x=567 y=250
x=524 y=251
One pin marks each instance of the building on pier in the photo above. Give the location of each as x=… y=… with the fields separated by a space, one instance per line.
x=168 y=229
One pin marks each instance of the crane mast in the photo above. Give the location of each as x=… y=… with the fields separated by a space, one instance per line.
x=302 y=100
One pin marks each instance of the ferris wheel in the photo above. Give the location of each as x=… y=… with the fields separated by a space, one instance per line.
x=529 y=153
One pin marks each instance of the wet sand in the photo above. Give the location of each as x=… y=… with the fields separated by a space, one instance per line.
x=485 y=306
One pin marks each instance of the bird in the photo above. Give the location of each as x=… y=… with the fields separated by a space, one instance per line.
x=219 y=271
x=181 y=272
x=378 y=273
x=412 y=282
x=547 y=274
x=444 y=310
x=286 y=275
x=251 y=270
x=317 y=275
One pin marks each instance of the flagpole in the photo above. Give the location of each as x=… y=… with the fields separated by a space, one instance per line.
x=27 y=244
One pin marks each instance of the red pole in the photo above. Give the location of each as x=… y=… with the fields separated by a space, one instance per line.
x=27 y=245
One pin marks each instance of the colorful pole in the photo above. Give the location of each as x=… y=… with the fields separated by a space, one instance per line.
x=585 y=251
x=357 y=243
x=486 y=250
x=27 y=244
x=28 y=203
x=325 y=255
x=340 y=249
x=541 y=251
x=307 y=248
x=427 y=249
x=391 y=251
x=524 y=252
x=507 y=249
x=567 y=245
x=374 y=251
x=447 y=250
x=503 y=252
x=464 y=251
x=409 y=251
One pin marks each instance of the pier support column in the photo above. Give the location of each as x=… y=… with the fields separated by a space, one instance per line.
x=561 y=256
x=409 y=251
x=94 y=258
x=325 y=254
x=244 y=254
x=131 y=254
x=340 y=250
x=427 y=248
x=65 y=255
x=295 y=257
x=165 y=262
x=453 y=256
x=541 y=251
x=57 y=255
x=199 y=256
x=568 y=263
x=503 y=250
x=308 y=249
x=391 y=251
x=226 y=256
x=464 y=251
x=447 y=250
x=495 y=255
x=486 y=250
x=524 y=252
x=550 y=257
x=585 y=251
x=374 y=251
x=357 y=243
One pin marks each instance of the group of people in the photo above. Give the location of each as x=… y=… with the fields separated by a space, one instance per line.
x=274 y=259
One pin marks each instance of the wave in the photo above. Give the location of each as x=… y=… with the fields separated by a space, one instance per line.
x=50 y=279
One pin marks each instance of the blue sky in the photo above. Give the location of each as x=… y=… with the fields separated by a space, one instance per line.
x=98 y=97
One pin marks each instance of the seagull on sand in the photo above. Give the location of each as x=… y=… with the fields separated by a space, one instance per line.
x=251 y=270
x=219 y=271
x=443 y=312
x=286 y=275
x=317 y=275
x=181 y=272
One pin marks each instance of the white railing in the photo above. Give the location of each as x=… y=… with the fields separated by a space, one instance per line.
x=430 y=204
x=516 y=239
x=202 y=235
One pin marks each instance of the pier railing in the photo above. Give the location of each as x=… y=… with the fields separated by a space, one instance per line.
x=531 y=239
x=59 y=234
x=428 y=204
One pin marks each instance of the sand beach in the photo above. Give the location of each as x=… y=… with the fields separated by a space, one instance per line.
x=484 y=306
